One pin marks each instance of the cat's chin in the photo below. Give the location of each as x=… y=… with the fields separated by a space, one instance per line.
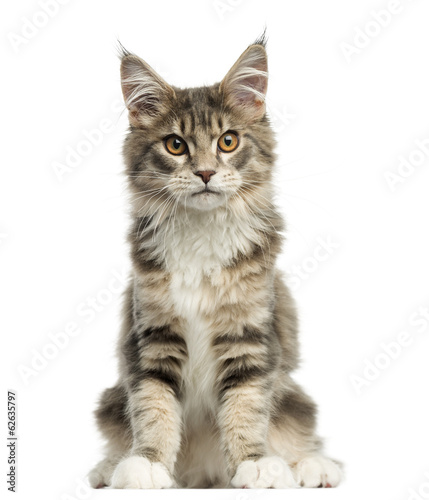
x=205 y=201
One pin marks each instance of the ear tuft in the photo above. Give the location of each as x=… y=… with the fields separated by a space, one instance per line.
x=121 y=50
x=146 y=94
x=245 y=85
x=262 y=39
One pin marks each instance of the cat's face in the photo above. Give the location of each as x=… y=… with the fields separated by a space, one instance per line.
x=198 y=148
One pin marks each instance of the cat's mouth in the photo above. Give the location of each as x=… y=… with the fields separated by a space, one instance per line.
x=206 y=190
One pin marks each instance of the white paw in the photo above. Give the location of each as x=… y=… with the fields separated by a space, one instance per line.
x=95 y=479
x=139 y=473
x=318 y=471
x=101 y=474
x=267 y=472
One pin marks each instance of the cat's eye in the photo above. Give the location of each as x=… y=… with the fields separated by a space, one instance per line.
x=175 y=145
x=228 y=142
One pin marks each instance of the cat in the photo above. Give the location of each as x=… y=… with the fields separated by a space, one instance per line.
x=205 y=396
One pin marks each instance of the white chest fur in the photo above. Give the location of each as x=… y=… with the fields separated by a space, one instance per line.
x=198 y=247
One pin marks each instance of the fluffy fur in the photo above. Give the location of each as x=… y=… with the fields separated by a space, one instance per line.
x=209 y=339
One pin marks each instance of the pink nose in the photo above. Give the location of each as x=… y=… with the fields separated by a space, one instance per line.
x=205 y=175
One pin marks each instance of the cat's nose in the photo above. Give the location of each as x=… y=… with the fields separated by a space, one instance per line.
x=205 y=175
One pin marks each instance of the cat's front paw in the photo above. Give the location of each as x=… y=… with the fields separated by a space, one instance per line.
x=318 y=472
x=267 y=472
x=139 y=473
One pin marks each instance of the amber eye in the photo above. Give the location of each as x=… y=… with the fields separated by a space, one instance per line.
x=175 y=145
x=228 y=142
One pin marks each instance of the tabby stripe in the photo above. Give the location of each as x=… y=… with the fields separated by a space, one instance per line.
x=263 y=151
x=138 y=160
x=166 y=369
x=249 y=335
x=182 y=126
x=242 y=158
x=162 y=162
x=148 y=415
x=145 y=265
x=168 y=378
x=234 y=374
x=253 y=451
x=163 y=335
x=148 y=452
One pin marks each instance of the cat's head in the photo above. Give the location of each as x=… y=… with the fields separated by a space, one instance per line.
x=199 y=148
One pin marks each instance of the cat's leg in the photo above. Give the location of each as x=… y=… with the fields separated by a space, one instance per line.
x=154 y=357
x=113 y=422
x=244 y=382
x=292 y=436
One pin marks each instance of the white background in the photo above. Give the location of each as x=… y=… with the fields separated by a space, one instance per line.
x=341 y=125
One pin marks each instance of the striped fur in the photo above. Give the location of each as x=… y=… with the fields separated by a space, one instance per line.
x=209 y=337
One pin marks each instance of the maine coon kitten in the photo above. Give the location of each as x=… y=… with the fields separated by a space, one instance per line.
x=209 y=339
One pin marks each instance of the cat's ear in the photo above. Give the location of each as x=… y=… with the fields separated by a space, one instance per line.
x=146 y=94
x=245 y=85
